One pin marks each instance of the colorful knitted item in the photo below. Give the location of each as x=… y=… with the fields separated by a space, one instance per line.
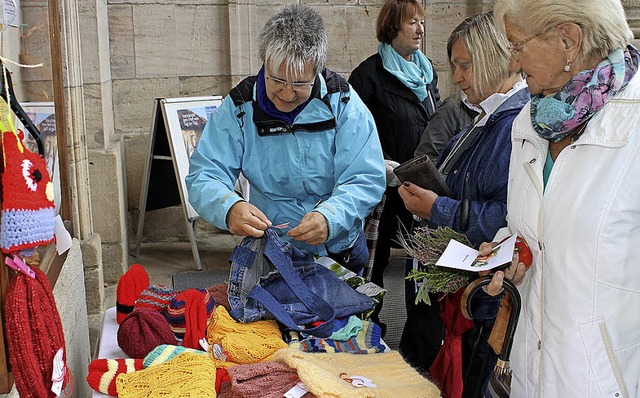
x=34 y=334
x=187 y=375
x=142 y=331
x=28 y=210
x=188 y=314
x=262 y=380
x=103 y=372
x=165 y=352
x=130 y=285
x=367 y=341
x=234 y=343
x=157 y=297
x=324 y=374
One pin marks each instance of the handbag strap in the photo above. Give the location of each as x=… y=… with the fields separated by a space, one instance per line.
x=312 y=301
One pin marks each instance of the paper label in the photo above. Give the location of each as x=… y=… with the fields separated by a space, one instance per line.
x=297 y=391
x=63 y=237
x=218 y=352
x=204 y=344
x=58 y=373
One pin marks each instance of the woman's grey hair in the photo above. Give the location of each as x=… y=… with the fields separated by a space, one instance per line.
x=603 y=22
x=490 y=56
x=294 y=36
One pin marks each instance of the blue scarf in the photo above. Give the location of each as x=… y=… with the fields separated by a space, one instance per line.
x=269 y=107
x=556 y=116
x=415 y=74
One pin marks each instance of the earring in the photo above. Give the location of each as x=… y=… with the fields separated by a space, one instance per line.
x=567 y=67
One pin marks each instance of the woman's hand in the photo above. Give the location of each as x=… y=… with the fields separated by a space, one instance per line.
x=417 y=200
x=244 y=219
x=312 y=229
x=515 y=272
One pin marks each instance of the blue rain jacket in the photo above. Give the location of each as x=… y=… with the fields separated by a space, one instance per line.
x=480 y=177
x=329 y=161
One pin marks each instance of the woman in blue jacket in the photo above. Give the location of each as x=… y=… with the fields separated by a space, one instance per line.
x=476 y=162
x=304 y=141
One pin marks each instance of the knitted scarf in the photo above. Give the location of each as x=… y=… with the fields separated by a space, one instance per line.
x=555 y=116
x=414 y=74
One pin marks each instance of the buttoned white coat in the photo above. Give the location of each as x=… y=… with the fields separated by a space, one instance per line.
x=579 y=330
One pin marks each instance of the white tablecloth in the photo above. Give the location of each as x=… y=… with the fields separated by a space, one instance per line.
x=109 y=342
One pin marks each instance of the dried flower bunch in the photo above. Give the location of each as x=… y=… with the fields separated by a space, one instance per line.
x=427 y=245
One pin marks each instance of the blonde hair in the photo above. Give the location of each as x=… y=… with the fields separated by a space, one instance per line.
x=603 y=22
x=490 y=56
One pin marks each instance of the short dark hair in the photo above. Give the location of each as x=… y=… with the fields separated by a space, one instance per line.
x=392 y=14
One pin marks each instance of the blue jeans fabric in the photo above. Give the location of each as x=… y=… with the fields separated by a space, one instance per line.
x=355 y=258
x=300 y=290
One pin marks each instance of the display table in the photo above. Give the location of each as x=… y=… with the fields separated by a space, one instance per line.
x=109 y=342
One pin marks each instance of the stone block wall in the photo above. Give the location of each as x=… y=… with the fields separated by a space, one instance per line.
x=204 y=47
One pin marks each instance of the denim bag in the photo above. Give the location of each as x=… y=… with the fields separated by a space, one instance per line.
x=271 y=279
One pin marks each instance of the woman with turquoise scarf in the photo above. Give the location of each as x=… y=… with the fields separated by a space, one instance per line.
x=573 y=196
x=400 y=87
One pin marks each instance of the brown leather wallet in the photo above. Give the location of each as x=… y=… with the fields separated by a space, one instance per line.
x=422 y=172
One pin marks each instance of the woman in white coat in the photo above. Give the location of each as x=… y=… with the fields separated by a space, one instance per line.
x=574 y=196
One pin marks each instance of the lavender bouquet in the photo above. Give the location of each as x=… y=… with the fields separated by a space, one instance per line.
x=427 y=245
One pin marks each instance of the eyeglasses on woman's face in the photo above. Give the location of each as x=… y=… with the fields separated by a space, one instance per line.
x=517 y=47
x=298 y=87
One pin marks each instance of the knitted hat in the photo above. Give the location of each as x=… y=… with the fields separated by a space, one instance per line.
x=28 y=210
x=165 y=352
x=187 y=375
x=103 y=372
x=262 y=380
x=234 y=343
x=156 y=297
x=220 y=295
x=188 y=314
x=321 y=374
x=34 y=334
x=130 y=285
x=142 y=331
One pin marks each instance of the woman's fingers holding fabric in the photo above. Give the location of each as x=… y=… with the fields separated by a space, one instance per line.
x=244 y=219
x=312 y=229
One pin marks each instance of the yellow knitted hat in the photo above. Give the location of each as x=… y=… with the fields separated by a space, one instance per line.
x=188 y=375
x=234 y=343
x=392 y=376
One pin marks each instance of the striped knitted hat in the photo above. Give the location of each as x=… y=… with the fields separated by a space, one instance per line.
x=157 y=297
x=103 y=372
x=28 y=210
x=188 y=314
x=34 y=334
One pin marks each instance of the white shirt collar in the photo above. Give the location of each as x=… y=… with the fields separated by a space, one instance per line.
x=492 y=102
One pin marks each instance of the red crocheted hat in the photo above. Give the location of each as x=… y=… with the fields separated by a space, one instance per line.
x=142 y=331
x=130 y=285
x=28 y=210
x=34 y=334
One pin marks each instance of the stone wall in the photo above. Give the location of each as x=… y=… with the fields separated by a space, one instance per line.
x=204 y=47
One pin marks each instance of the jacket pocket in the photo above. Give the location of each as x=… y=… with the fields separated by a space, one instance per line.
x=602 y=360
